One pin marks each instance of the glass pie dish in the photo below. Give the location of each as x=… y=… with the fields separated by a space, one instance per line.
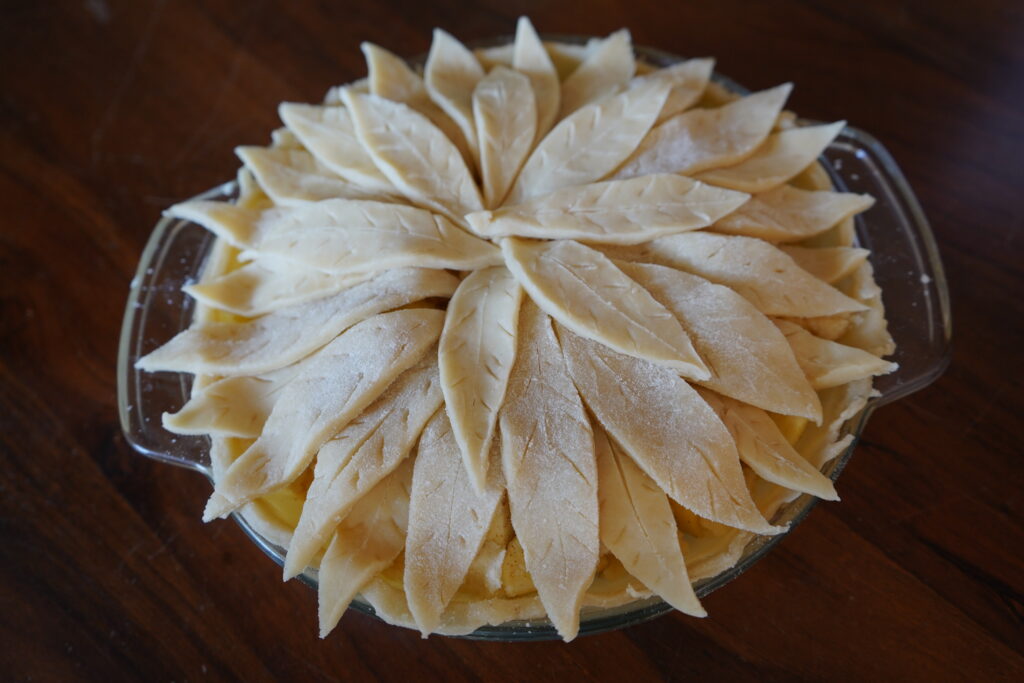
x=905 y=261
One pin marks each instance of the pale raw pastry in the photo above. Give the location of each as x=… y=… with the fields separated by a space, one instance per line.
x=789 y=214
x=782 y=156
x=604 y=71
x=545 y=329
x=613 y=212
x=586 y=292
x=707 y=138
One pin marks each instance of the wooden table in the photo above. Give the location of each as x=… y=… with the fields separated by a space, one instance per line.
x=112 y=110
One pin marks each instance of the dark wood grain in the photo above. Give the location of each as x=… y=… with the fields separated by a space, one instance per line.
x=111 y=110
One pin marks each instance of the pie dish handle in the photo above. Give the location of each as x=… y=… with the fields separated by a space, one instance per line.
x=157 y=309
x=906 y=262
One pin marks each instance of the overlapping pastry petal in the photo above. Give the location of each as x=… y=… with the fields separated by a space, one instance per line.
x=667 y=428
x=451 y=74
x=506 y=122
x=748 y=359
x=361 y=454
x=448 y=520
x=707 y=138
x=637 y=526
x=687 y=81
x=586 y=292
x=605 y=70
x=789 y=214
x=613 y=212
x=329 y=135
x=828 y=363
x=477 y=351
x=236 y=225
x=547 y=451
x=591 y=142
x=755 y=269
x=531 y=59
x=365 y=543
x=294 y=177
x=830 y=264
x=765 y=450
x=286 y=335
x=778 y=159
x=346 y=236
x=332 y=390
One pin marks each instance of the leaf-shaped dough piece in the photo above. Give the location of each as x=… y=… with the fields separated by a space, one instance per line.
x=603 y=72
x=789 y=214
x=236 y=225
x=637 y=526
x=591 y=142
x=830 y=264
x=293 y=177
x=448 y=521
x=687 y=79
x=765 y=450
x=345 y=236
x=748 y=359
x=547 y=452
x=612 y=212
x=263 y=286
x=531 y=59
x=284 y=336
x=707 y=138
x=329 y=135
x=668 y=430
x=345 y=378
x=391 y=77
x=414 y=155
x=506 y=121
x=582 y=289
x=478 y=348
x=781 y=156
x=450 y=74
x=366 y=542
x=828 y=363
x=360 y=455
x=755 y=269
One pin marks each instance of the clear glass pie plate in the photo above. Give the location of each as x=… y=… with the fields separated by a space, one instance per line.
x=905 y=260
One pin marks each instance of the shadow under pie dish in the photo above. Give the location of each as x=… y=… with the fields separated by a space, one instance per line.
x=371 y=271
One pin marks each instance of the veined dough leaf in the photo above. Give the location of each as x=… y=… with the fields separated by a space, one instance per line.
x=668 y=430
x=329 y=135
x=547 y=452
x=293 y=177
x=365 y=543
x=781 y=156
x=830 y=264
x=451 y=74
x=531 y=59
x=236 y=225
x=364 y=452
x=765 y=450
x=788 y=214
x=262 y=286
x=637 y=526
x=591 y=142
x=748 y=359
x=687 y=79
x=613 y=212
x=414 y=155
x=755 y=269
x=603 y=72
x=586 y=292
x=347 y=375
x=391 y=77
x=448 y=521
x=284 y=336
x=506 y=121
x=699 y=139
x=477 y=350
x=828 y=363
x=345 y=236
